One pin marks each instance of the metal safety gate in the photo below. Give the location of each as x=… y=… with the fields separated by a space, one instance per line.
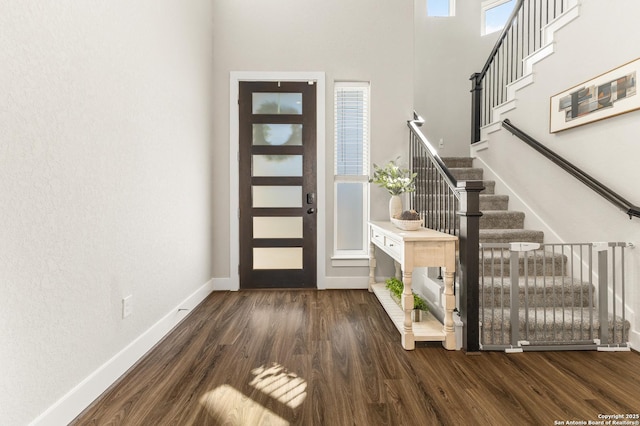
x=553 y=297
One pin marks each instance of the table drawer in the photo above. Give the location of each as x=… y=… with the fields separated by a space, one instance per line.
x=393 y=246
x=377 y=238
x=390 y=245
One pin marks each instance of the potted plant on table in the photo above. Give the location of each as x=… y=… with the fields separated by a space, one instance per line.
x=419 y=308
x=396 y=180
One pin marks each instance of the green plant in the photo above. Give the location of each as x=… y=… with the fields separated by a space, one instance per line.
x=396 y=287
x=394 y=178
x=419 y=303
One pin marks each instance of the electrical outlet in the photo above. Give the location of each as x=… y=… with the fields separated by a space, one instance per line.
x=127 y=306
x=441 y=143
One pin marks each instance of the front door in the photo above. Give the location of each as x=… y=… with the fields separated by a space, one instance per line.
x=277 y=162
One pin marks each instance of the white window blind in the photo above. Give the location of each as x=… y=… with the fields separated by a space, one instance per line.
x=351 y=129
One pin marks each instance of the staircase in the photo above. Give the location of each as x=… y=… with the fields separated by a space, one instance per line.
x=567 y=296
x=555 y=305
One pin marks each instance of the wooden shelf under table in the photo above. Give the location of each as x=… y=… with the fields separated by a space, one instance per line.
x=427 y=330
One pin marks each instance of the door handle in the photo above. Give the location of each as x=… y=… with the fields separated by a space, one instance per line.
x=311 y=211
x=311 y=198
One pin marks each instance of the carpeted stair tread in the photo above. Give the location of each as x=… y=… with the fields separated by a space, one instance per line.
x=466 y=173
x=493 y=202
x=537 y=292
x=510 y=235
x=497 y=263
x=489 y=187
x=501 y=219
x=457 y=161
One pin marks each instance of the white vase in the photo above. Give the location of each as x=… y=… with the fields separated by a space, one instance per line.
x=395 y=206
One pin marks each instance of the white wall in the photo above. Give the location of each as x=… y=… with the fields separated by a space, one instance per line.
x=608 y=150
x=104 y=183
x=447 y=51
x=347 y=40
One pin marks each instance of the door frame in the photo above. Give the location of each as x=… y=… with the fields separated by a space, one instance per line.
x=234 y=186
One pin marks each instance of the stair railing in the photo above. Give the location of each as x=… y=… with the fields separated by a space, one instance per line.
x=453 y=207
x=607 y=193
x=436 y=197
x=521 y=36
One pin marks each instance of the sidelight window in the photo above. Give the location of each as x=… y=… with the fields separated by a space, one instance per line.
x=351 y=169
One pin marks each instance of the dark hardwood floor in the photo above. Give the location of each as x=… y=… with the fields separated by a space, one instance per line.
x=334 y=358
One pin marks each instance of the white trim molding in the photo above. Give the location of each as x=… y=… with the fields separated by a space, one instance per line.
x=347 y=283
x=234 y=202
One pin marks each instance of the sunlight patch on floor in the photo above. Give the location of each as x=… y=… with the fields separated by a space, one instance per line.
x=280 y=384
x=232 y=407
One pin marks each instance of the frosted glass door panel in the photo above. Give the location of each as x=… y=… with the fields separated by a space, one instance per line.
x=277 y=258
x=277 y=103
x=277 y=134
x=277 y=165
x=277 y=227
x=350 y=216
x=277 y=196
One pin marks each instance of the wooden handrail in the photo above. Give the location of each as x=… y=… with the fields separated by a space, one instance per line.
x=607 y=193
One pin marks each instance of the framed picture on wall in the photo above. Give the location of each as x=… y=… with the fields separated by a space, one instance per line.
x=607 y=95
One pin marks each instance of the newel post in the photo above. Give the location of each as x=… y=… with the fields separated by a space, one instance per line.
x=469 y=214
x=476 y=106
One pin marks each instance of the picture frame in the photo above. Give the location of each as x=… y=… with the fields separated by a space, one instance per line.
x=610 y=94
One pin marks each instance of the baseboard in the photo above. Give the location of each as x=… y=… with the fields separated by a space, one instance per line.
x=223 y=284
x=330 y=283
x=80 y=397
x=346 y=283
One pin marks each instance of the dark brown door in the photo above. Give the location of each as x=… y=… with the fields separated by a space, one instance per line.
x=277 y=185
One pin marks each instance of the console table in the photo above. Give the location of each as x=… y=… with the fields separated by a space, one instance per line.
x=411 y=249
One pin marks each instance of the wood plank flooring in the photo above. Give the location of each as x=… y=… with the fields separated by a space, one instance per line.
x=334 y=358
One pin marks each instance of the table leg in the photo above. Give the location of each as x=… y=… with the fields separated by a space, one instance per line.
x=408 y=338
x=449 y=306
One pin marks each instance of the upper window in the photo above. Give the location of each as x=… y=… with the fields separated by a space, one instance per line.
x=441 y=7
x=494 y=15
